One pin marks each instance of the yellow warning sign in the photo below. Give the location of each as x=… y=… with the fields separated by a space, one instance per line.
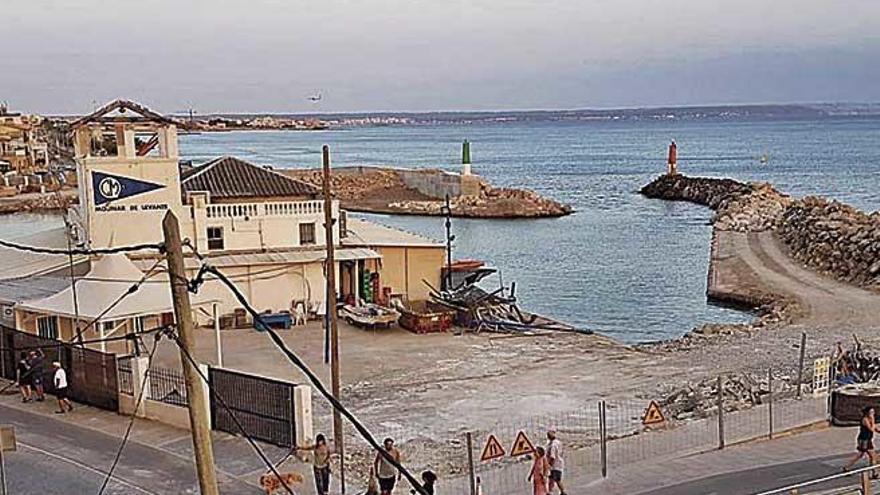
x=522 y=445
x=653 y=415
x=492 y=450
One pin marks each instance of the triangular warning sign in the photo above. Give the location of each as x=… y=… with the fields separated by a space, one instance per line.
x=522 y=445
x=492 y=450
x=653 y=415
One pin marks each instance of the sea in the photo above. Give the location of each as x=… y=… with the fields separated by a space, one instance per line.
x=622 y=265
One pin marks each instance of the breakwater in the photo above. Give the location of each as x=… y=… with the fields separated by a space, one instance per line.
x=421 y=192
x=827 y=236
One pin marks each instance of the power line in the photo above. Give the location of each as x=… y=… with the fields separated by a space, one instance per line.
x=238 y=424
x=362 y=430
x=82 y=251
x=137 y=405
x=128 y=336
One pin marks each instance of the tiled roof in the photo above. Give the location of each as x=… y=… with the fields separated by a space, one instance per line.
x=228 y=177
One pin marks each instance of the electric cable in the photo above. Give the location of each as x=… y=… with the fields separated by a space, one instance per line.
x=219 y=398
x=316 y=382
x=128 y=336
x=83 y=251
x=137 y=405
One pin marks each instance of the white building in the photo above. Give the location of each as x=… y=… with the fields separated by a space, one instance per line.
x=264 y=230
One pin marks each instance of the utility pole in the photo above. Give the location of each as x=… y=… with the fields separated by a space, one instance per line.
x=198 y=408
x=331 y=317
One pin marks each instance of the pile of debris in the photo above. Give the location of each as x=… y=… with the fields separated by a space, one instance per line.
x=495 y=311
x=700 y=399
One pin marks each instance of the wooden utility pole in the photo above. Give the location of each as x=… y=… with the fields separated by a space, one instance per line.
x=331 y=317
x=198 y=407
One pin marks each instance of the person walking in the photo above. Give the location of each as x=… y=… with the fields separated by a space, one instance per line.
x=59 y=379
x=865 y=440
x=23 y=377
x=35 y=361
x=320 y=464
x=556 y=462
x=539 y=473
x=386 y=472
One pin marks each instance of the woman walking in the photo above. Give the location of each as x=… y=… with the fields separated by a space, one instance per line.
x=320 y=464
x=539 y=473
x=865 y=440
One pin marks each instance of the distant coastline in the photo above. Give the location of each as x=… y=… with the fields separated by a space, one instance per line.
x=335 y=120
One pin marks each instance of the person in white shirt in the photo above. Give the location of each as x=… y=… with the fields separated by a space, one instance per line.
x=59 y=380
x=557 y=463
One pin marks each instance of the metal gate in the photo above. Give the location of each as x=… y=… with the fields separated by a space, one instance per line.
x=263 y=406
x=91 y=374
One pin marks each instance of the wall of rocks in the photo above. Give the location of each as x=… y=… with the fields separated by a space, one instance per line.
x=830 y=237
x=738 y=206
x=834 y=239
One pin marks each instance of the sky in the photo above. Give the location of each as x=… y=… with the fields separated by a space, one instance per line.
x=423 y=55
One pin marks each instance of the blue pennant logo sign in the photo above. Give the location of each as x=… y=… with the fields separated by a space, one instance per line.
x=109 y=187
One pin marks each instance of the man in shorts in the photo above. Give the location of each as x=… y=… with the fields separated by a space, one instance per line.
x=35 y=360
x=60 y=381
x=557 y=463
x=386 y=472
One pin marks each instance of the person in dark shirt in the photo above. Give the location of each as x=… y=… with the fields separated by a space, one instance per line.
x=23 y=377
x=35 y=360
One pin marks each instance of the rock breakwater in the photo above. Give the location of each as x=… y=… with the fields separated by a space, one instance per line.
x=738 y=206
x=829 y=237
x=382 y=190
x=834 y=239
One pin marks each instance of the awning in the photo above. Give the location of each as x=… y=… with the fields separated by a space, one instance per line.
x=109 y=279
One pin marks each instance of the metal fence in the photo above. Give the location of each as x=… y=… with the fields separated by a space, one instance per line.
x=124 y=376
x=598 y=438
x=91 y=374
x=168 y=386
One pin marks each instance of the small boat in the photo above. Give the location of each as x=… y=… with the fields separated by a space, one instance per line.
x=466 y=265
x=369 y=316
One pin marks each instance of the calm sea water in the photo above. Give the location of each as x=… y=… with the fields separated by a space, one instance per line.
x=624 y=265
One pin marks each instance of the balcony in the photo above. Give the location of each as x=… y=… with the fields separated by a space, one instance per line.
x=273 y=209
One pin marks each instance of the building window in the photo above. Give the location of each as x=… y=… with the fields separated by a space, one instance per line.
x=306 y=233
x=139 y=324
x=47 y=327
x=109 y=326
x=215 y=238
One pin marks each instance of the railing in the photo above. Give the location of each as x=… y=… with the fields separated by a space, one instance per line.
x=167 y=386
x=864 y=481
x=124 y=376
x=274 y=209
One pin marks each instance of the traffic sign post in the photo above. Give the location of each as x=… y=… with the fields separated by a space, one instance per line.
x=522 y=445
x=653 y=415
x=7 y=444
x=492 y=450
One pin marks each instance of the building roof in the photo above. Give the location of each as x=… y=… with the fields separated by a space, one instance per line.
x=18 y=264
x=110 y=278
x=24 y=289
x=365 y=233
x=143 y=114
x=228 y=177
x=275 y=257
